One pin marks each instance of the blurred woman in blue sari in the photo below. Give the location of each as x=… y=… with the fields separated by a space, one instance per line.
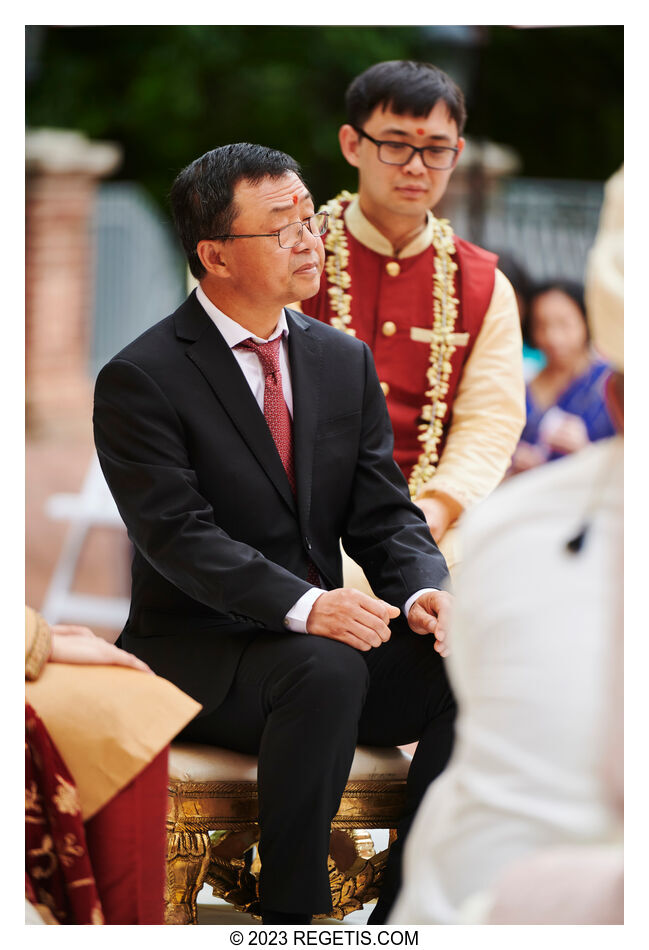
x=565 y=401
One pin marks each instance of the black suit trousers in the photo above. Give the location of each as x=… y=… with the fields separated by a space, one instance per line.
x=302 y=703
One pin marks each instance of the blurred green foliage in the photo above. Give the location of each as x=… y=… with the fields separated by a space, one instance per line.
x=170 y=93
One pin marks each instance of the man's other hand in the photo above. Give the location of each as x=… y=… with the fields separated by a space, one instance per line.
x=351 y=617
x=430 y=613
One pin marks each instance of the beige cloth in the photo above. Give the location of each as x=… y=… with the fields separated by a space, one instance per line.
x=107 y=722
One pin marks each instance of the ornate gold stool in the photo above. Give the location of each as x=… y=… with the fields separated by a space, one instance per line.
x=212 y=828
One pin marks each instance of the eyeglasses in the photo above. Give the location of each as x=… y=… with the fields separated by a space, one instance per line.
x=439 y=157
x=291 y=234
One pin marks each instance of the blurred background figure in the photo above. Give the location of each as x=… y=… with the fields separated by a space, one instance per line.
x=517 y=275
x=98 y=724
x=565 y=401
x=525 y=824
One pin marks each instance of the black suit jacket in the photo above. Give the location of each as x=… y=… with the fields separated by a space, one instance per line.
x=221 y=545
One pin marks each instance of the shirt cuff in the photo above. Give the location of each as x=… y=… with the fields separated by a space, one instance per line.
x=298 y=615
x=411 y=600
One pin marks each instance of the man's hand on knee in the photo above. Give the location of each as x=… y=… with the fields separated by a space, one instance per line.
x=430 y=613
x=351 y=617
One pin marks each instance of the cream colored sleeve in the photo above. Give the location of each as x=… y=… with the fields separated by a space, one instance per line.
x=38 y=643
x=605 y=276
x=489 y=406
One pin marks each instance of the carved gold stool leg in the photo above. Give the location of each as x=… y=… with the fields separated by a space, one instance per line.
x=355 y=871
x=228 y=874
x=188 y=858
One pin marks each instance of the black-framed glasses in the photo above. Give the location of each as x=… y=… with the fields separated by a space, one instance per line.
x=291 y=234
x=439 y=157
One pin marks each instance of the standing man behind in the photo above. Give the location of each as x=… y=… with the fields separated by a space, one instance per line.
x=242 y=442
x=440 y=319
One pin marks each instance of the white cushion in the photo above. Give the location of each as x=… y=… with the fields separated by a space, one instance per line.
x=189 y=762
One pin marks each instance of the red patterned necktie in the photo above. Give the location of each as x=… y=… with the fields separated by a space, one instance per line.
x=277 y=415
x=275 y=409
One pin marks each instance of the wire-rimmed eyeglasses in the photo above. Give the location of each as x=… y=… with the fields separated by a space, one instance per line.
x=291 y=234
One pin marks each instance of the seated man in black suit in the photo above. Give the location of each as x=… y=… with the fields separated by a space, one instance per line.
x=242 y=441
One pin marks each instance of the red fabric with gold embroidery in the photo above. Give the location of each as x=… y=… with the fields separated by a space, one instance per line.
x=57 y=864
x=406 y=299
x=110 y=870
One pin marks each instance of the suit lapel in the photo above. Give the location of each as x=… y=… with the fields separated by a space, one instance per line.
x=213 y=357
x=306 y=371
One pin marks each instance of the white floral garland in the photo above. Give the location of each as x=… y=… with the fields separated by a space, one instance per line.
x=444 y=316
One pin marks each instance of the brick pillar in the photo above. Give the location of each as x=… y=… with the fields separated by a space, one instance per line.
x=63 y=169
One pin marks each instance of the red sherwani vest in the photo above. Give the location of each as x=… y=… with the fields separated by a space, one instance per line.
x=385 y=307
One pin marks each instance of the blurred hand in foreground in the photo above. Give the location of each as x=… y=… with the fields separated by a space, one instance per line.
x=74 y=644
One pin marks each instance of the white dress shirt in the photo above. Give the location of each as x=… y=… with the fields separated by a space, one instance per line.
x=234 y=334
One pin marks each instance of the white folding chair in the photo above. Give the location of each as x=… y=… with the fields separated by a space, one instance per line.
x=93 y=506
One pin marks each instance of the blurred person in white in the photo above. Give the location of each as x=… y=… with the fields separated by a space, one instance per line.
x=525 y=824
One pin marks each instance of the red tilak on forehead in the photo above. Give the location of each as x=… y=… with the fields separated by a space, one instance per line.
x=294 y=199
x=420 y=131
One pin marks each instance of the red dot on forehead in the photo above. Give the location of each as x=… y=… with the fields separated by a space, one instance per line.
x=294 y=199
x=420 y=131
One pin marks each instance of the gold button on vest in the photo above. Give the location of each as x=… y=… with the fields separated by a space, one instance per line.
x=393 y=268
x=385 y=388
x=389 y=328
